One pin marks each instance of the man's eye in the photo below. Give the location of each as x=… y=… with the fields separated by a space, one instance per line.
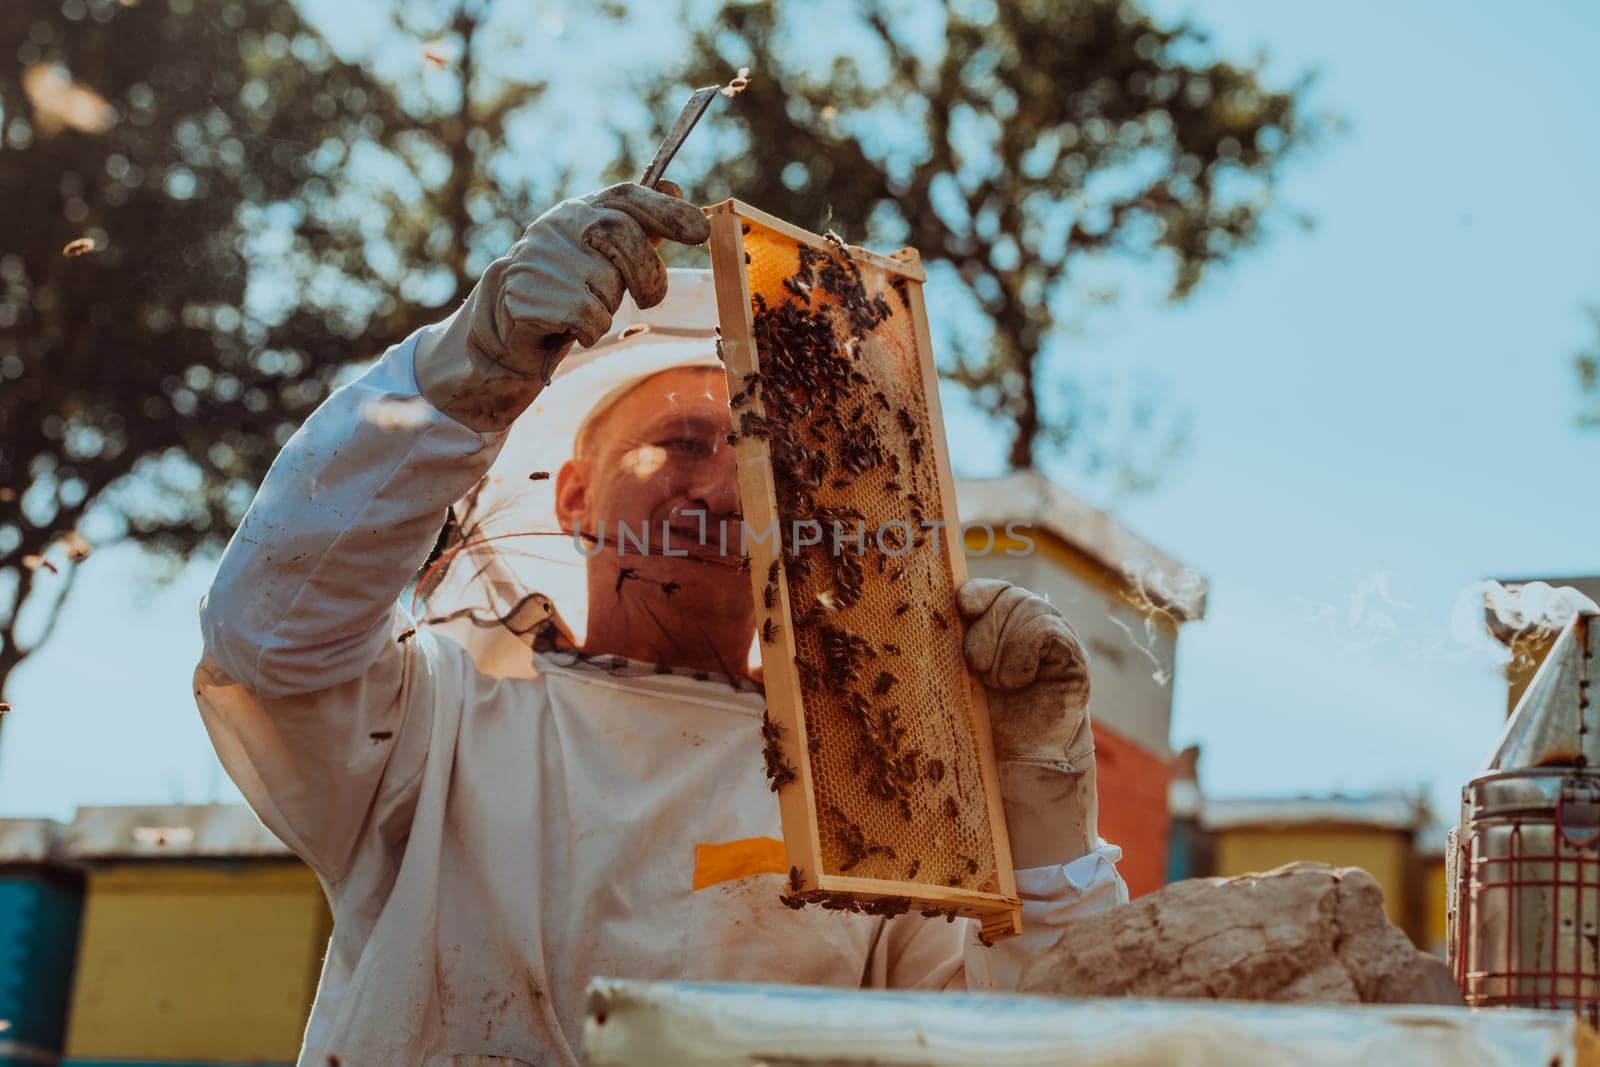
x=689 y=446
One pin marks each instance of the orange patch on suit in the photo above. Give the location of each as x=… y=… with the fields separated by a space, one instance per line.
x=725 y=861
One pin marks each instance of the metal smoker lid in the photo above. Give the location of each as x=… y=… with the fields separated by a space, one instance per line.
x=1555 y=723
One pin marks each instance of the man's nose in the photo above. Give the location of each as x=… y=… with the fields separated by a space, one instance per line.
x=718 y=484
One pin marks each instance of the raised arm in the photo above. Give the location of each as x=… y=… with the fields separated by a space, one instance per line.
x=304 y=669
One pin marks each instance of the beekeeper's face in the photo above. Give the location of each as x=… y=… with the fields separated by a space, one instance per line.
x=658 y=458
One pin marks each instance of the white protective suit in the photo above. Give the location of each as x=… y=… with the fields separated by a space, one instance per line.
x=493 y=825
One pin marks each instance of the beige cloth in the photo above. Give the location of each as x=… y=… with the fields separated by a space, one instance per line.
x=490 y=844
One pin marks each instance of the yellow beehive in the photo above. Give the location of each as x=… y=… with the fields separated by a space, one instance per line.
x=1376 y=833
x=202 y=938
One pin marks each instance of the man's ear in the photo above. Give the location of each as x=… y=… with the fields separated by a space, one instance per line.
x=572 y=494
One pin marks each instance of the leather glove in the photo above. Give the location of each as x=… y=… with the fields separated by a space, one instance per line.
x=559 y=285
x=1036 y=672
x=1038 y=686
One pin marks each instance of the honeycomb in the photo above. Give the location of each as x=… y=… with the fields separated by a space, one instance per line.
x=889 y=740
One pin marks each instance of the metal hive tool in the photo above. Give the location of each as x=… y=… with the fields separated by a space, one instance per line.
x=878 y=737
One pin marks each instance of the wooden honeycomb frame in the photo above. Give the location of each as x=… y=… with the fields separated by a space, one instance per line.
x=736 y=229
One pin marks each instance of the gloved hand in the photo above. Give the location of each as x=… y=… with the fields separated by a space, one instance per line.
x=1037 y=678
x=559 y=285
x=1035 y=671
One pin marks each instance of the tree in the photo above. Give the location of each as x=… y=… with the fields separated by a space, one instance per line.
x=1017 y=144
x=259 y=213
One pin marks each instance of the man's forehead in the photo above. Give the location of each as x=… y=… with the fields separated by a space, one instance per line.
x=677 y=389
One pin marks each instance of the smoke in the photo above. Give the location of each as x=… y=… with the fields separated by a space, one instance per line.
x=1515 y=622
x=1159 y=596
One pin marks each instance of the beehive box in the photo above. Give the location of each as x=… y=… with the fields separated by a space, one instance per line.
x=40 y=901
x=202 y=939
x=878 y=738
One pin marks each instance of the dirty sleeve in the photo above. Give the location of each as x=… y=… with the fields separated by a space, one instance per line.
x=316 y=691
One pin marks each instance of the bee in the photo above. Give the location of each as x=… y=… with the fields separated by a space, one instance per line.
x=668 y=588
x=884 y=683
x=772 y=571
x=791 y=902
x=769 y=630
x=911 y=872
x=381 y=735
x=538 y=476
x=902 y=607
x=892 y=649
x=733 y=438
x=769 y=595
x=934 y=769
x=794 y=879
x=940 y=619
x=951 y=808
x=408 y=635
x=898 y=573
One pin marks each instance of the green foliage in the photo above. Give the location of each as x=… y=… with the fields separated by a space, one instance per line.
x=1015 y=143
x=264 y=212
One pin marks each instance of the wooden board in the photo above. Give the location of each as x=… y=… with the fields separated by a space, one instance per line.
x=879 y=736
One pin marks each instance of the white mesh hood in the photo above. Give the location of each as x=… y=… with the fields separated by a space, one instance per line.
x=509 y=578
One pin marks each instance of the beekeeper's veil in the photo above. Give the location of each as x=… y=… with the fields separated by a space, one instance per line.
x=508 y=579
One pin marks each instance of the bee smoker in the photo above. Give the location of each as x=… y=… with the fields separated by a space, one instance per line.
x=1523 y=866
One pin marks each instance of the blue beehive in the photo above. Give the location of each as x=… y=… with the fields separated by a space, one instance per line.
x=40 y=902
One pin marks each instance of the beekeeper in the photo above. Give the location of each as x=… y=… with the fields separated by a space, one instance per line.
x=558 y=774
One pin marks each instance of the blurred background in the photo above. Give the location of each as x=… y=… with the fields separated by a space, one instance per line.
x=1305 y=296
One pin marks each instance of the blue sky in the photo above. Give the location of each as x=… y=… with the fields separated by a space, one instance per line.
x=1382 y=415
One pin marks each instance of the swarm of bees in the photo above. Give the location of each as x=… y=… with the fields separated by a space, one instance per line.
x=829 y=428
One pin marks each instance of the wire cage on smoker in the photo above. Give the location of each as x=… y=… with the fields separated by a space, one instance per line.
x=1524 y=884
